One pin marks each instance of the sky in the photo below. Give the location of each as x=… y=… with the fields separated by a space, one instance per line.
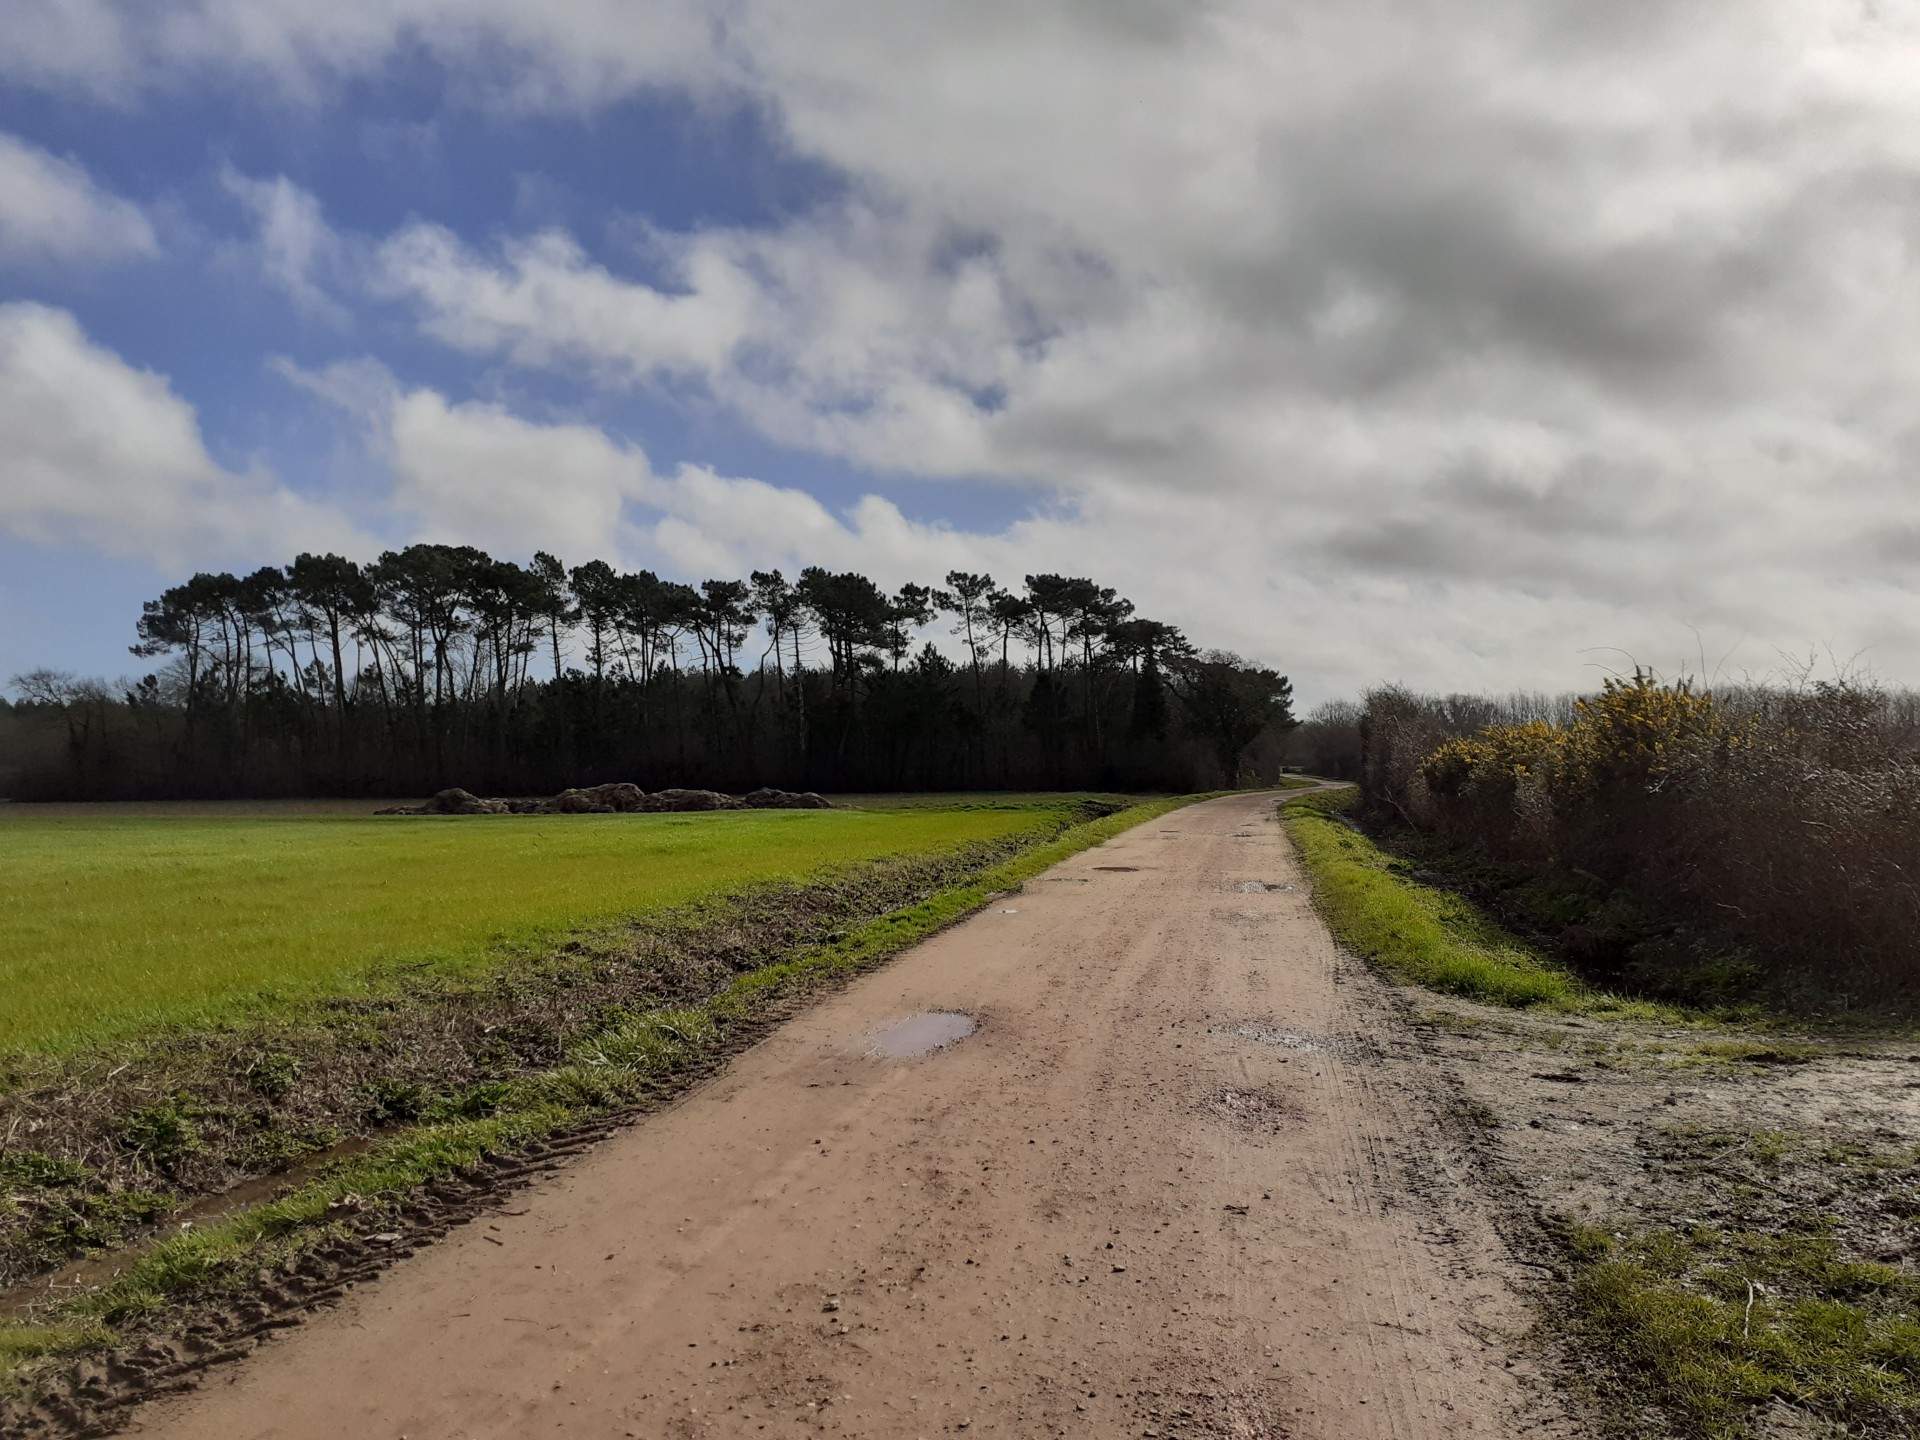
x=1474 y=348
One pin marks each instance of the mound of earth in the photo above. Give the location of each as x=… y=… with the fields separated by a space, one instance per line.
x=620 y=798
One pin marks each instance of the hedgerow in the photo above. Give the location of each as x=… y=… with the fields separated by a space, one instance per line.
x=1787 y=819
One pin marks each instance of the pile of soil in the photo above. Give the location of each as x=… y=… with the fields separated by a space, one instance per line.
x=620 y=798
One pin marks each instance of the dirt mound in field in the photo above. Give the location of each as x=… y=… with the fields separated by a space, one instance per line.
x=620 y=798
x=458 y=802
x=765 y=799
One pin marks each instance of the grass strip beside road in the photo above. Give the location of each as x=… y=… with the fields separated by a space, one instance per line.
x=634 y=1059
x=1417 y=933
x=1426 y=935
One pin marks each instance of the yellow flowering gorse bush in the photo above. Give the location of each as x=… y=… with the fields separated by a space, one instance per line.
x=1636 y=732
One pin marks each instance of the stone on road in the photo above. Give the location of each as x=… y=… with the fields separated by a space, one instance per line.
x=1166 y=1182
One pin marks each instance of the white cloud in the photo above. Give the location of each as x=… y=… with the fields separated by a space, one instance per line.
x=542 y=302
x=51 y=210
x=476 y=474
x=295 y=248
x=855 y=331
x=104 y=456
x=582 y=51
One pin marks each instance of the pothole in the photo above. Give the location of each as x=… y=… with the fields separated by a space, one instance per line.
x=1258 y=1111
x=1127 y=869
x=1295 y=1040
x=1257 y=887
x=918 y=1035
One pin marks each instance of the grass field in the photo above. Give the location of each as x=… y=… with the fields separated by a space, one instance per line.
x=111 y=923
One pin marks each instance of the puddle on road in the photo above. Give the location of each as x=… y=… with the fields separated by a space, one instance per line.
x=1128 y=869
x=919 y=1035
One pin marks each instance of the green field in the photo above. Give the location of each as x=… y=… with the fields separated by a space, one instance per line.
x=111 y=923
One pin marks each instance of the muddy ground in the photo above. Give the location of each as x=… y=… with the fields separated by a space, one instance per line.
x=1748 y=1150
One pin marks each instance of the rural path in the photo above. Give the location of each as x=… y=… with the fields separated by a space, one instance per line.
x=1169 y=1187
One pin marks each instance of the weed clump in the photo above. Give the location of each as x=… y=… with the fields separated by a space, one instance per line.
x=1715 y=1323
x=273 y=1076
x=163 y=1134
x=392 y=1099
x=1763 y=1273
x=30 y=1170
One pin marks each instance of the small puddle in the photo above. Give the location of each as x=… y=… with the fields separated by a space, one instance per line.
x=920 y=1034
x=1127 y=869
x=268 y=1187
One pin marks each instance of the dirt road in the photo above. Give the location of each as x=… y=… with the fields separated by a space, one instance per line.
x=1169 y=1186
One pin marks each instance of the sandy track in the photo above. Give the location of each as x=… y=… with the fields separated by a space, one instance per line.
x=1169 y=1187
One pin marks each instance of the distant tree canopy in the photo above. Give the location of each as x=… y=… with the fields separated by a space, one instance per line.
x=438 y=665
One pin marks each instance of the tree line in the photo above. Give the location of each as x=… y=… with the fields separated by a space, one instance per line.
x=441 y=665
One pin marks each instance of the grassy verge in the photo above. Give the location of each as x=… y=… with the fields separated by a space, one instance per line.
x=1294 y=782
x=1418 y=933
x=632 y=1054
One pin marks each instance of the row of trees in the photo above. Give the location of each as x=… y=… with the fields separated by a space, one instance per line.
x=440 y=664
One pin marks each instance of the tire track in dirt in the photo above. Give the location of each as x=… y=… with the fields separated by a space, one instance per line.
x=1169 y=1187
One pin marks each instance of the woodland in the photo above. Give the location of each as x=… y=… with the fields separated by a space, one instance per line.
x=439 y=665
